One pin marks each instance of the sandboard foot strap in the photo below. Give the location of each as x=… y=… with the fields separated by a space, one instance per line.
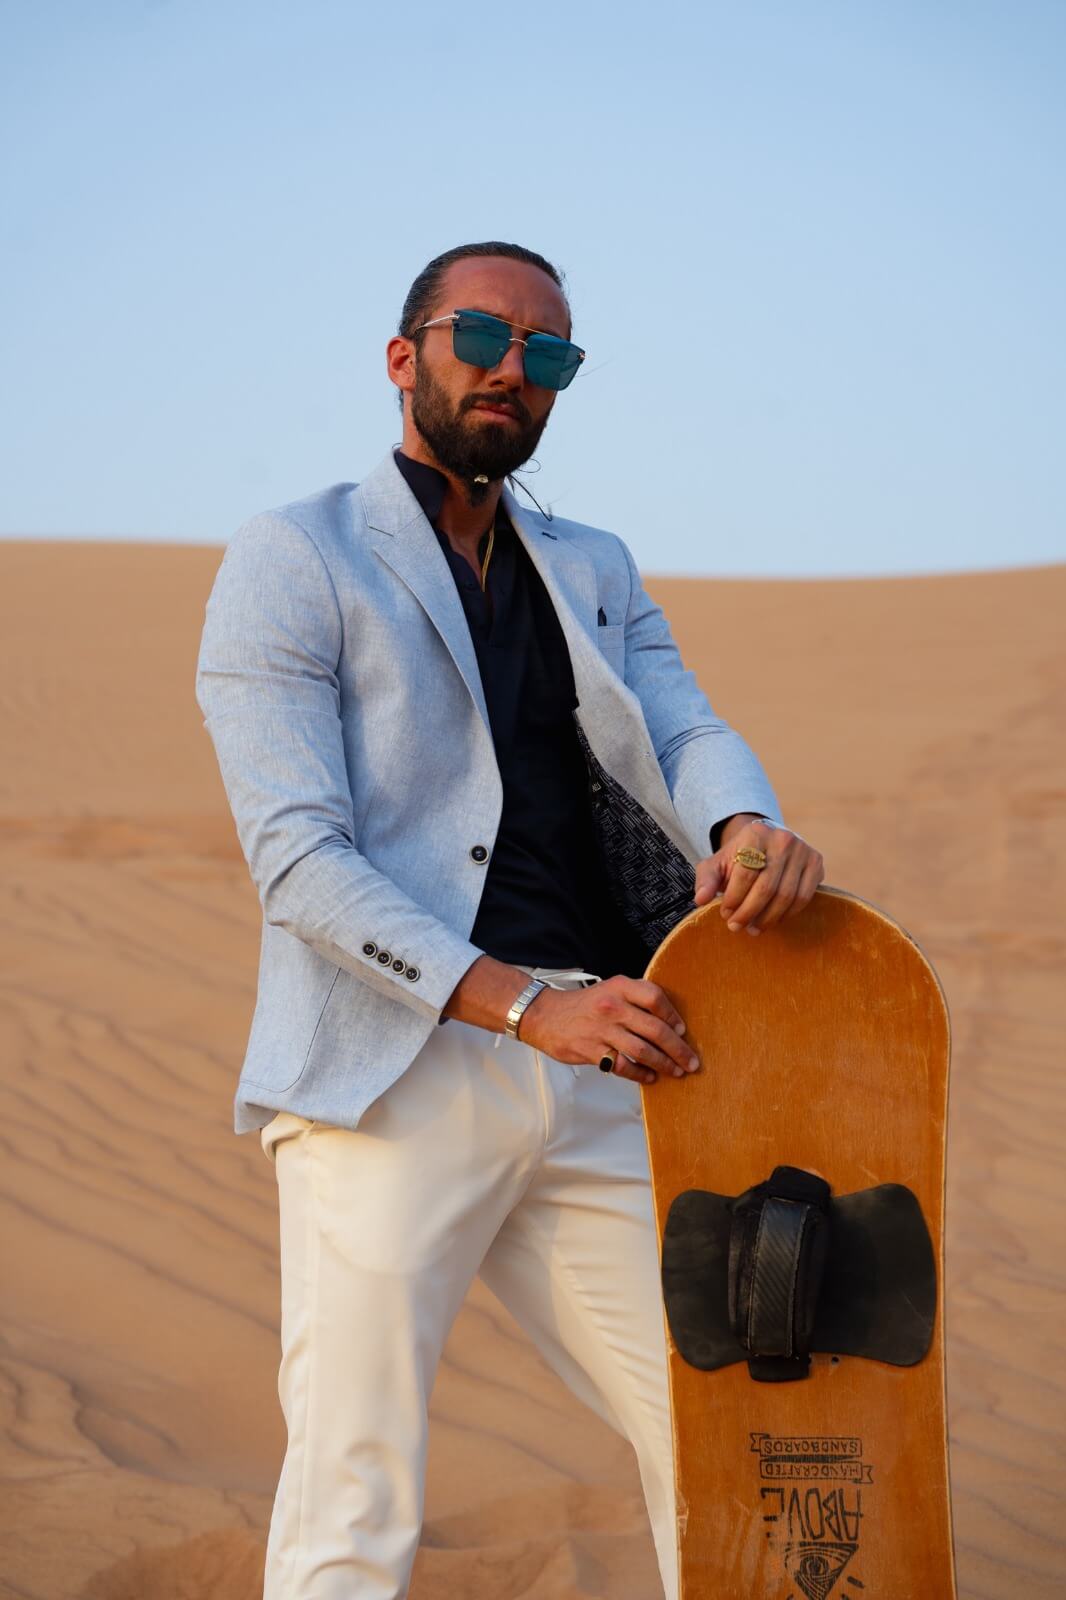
x=778 y=1243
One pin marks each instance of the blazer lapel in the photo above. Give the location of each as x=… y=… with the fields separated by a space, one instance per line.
x=610 y=714
x=403 y=538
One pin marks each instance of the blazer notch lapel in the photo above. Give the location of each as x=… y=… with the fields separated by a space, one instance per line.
x=405 y=541
x=567 y=573
x=609 y=713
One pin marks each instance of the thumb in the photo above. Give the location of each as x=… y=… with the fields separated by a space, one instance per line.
x=711 y=876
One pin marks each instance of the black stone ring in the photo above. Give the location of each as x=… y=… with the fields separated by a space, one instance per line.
x=607 y=1063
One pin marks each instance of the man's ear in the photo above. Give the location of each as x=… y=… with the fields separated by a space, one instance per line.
x=401 y=358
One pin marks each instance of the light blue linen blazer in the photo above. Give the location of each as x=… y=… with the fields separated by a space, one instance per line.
x=339 y=685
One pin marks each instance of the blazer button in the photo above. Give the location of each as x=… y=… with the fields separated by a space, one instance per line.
x=412 y=973
x=384 y=956
x=479 y=853
x=399 y=964
x=370 y=948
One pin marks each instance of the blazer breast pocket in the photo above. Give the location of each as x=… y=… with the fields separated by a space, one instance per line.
x=611 y=638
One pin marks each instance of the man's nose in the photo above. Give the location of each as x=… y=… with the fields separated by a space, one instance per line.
x=511 y=370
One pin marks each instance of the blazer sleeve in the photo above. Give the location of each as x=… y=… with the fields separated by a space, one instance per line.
x=268 y=688
x=709 y=769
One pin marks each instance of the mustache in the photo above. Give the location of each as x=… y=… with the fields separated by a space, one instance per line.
x=511 y=401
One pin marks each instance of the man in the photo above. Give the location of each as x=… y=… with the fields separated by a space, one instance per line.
x=475 y=786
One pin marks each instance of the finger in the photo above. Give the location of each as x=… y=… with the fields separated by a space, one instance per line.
x=624 y=1068
x=758 y=896
x=784 y=897
x=649 y=997
x=773 y=842
x=711 y=875
x=813 y=875
x=740 y=884
x=643 y=1053
x=666 y=1039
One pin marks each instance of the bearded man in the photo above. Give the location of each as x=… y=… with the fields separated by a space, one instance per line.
x=475 y=786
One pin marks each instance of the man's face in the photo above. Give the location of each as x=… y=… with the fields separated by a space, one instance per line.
x=477 y=421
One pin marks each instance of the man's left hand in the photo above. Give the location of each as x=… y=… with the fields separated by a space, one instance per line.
x=756 y=898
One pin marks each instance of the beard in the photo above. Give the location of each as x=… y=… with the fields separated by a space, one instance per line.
x=465 y=448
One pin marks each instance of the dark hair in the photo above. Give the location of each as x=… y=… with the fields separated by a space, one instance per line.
x=423 y=292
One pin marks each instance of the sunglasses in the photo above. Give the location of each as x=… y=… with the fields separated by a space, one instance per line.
x=483 y=341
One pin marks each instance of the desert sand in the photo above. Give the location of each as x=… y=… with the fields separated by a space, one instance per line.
x=914 y=731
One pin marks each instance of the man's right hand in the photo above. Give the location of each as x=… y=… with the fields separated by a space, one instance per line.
x=629 y=1016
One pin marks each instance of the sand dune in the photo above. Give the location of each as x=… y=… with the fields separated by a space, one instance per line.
x=914 y=729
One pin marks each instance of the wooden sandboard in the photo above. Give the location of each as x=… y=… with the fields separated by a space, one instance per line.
x=824 y=1045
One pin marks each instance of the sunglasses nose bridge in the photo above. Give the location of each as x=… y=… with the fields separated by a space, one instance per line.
x=505 y=360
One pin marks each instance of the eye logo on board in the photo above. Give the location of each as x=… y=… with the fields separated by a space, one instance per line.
x=816 y=1567
x=811 y=1491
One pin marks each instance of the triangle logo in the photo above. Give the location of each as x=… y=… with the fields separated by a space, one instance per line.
x=815 y=1568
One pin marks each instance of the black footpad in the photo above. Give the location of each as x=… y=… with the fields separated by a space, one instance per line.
x=787 y=1268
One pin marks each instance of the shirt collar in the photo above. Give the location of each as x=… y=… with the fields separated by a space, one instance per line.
x=428 y=487
x=425 y=483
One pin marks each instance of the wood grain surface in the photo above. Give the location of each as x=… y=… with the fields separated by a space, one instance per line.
x=913 y=729
x=825 y=1048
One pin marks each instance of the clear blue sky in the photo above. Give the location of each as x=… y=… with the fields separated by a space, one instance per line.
x=816 y=253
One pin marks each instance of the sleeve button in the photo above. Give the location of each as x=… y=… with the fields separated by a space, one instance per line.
x=399 y=964
x=412 y=973
x=370 y=948
x=479 y=853
x=384 y=956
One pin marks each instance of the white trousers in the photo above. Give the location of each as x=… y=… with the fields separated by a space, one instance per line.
x=484 y=1157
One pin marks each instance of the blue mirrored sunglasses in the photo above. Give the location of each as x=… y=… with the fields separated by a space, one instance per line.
x=483 y=341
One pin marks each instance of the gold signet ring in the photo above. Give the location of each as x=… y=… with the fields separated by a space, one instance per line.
x=750 y=857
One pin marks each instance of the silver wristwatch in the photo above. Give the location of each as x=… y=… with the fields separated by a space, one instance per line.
x=514 y=1016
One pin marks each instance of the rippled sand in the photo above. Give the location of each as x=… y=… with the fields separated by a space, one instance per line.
x=914 y=729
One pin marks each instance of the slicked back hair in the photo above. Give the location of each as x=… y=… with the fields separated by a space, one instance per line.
x=423 y=292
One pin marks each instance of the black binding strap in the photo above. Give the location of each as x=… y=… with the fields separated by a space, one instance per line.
x=777 y=1251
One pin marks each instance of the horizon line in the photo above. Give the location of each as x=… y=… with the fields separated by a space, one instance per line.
x=879 y=575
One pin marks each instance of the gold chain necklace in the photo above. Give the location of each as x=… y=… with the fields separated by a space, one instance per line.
x=488 y=555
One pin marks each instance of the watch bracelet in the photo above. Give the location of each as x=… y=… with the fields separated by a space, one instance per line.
x=520 y=1005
